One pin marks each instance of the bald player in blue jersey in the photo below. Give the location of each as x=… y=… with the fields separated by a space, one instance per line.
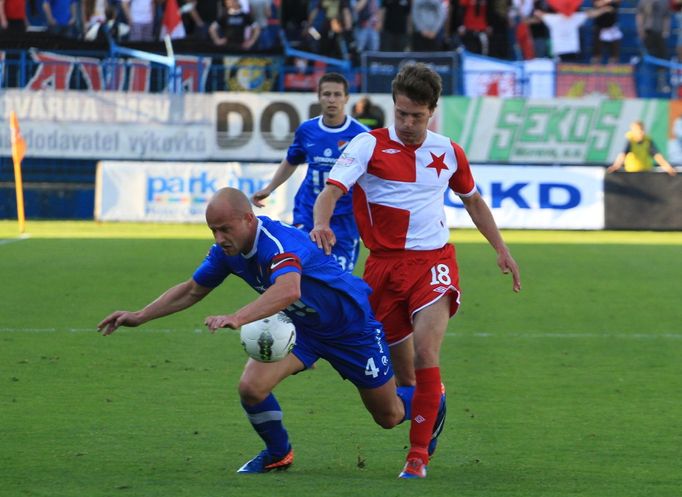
x=319 y=142
x=328 y=306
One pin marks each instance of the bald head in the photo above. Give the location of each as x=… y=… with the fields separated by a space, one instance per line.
x=230 y=199
x=232 y=221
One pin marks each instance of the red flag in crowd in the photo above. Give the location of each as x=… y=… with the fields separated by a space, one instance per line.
x=172 y=21
x=565 y=7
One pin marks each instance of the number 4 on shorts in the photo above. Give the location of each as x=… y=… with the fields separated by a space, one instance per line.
x=371 y=368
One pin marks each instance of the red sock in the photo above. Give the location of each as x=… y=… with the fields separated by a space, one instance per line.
x=425 y=405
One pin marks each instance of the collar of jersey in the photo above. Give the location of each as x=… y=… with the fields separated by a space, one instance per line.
x=252 y=252
x=343 y=127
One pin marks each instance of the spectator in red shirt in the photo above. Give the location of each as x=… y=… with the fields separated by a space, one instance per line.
x=470 y=19
x=13 y=16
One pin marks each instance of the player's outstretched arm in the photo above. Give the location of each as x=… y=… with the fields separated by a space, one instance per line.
x=483 y=219
x=172 y=300
x=285 y=291
x=321 y=233
x=283 y=173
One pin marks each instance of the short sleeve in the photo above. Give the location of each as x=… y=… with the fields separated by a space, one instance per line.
x=213 y=271
x=283 y=263
x=462 y=182
x=296 y=154
x=353 y=162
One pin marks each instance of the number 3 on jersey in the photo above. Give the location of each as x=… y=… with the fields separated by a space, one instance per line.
x=440 y=275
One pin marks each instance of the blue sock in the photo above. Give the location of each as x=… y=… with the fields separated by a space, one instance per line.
x=405 y=394
x=266 y=419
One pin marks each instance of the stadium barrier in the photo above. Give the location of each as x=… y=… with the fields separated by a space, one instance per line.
x=643 y=201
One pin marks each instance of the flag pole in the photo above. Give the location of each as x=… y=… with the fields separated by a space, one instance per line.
x=18 y=150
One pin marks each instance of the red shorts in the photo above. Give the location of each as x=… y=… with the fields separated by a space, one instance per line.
x=407 y=281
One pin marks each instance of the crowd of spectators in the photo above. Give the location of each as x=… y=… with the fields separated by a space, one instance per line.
x=504 y=29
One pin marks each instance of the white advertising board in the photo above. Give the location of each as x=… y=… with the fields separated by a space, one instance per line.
x=179 y=192
x=531 y=197
x=537 y=197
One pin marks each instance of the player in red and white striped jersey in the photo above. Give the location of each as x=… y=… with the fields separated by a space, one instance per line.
x=400 y=175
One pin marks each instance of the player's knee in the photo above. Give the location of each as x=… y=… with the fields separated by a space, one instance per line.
x=425 y=357
x=387 y=419
x=250 y=392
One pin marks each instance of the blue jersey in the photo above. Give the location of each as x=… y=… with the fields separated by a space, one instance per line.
x=319 y=146
x=332 y=300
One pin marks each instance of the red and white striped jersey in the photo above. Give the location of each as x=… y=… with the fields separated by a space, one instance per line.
x=399 y=191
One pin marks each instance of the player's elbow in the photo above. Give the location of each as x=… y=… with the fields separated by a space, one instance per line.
x=292 y=294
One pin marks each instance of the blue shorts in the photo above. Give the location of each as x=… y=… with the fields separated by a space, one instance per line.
x=359 y=356
x=347 y=247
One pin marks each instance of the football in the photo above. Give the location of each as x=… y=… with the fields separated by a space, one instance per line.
x=269 y=339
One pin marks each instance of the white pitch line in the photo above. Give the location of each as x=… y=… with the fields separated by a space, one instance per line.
x=20 y=238
x=94 y=330
x=536 y=335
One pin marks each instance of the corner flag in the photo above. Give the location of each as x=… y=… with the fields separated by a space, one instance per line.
x=18 y=152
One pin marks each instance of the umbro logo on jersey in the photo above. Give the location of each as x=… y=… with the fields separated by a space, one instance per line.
x=391 y=151
x=420 y=419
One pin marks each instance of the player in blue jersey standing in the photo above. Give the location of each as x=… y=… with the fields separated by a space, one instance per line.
x=319 y=142
x=328 y=306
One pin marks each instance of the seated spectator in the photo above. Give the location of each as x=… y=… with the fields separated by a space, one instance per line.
x=564 y=31
x=13 y=16
x=235 y=29
x=331 y=28
x=366 y=31
x=61 y=17
x=428 y=21
x=368 y=114
x=607 y=34
x=393 y=25
x=640 y=153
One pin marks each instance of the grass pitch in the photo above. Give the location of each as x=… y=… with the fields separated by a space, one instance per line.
x=571 y=388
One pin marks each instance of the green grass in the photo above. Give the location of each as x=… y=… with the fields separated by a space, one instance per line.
x=571 y=388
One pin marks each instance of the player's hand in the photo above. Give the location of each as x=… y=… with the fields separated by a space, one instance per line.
x=508 y=265
x=258 y=197
x=324 y=238
x=116 y=319
x=216 y=322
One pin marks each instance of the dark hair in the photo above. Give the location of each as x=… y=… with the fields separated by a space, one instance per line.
x=333 y=77
x=419 y=83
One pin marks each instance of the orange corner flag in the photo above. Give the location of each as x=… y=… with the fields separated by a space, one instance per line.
x=18 y=142
x=18 y=152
